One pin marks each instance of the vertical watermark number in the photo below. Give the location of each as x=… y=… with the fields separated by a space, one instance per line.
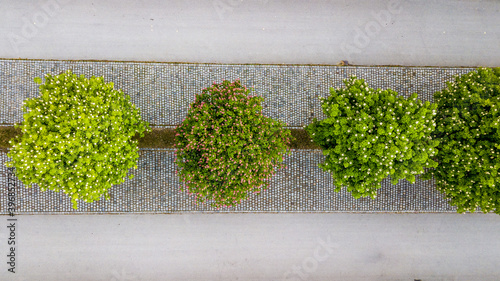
x=11 y=221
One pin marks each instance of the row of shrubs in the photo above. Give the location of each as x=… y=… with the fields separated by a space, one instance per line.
x=78 y=139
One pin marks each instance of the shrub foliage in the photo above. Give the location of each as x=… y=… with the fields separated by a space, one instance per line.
x=468 y=123
x=370 y=134
x=77 y=137
x=226 y=148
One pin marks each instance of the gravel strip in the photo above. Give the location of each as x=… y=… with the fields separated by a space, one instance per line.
x=164 y=91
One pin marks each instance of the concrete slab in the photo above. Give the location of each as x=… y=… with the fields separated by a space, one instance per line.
x=255 y=247
x=368 y=32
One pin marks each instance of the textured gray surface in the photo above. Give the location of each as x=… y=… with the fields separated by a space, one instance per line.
x=256 y=247
x=164 y=91
x=167 y=89
x=368 y=32
x=301 y=187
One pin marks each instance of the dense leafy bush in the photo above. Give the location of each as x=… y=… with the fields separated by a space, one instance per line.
x=468 y=123
x=226 y=148
x=77 y=137
x=370 y=134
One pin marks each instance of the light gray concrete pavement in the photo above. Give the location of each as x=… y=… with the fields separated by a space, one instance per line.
x=368 y=32
x=255 y=247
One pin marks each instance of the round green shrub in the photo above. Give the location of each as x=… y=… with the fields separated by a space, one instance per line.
x=77 y=137
x=370 y=134
x=226 y=148
x=468 y=123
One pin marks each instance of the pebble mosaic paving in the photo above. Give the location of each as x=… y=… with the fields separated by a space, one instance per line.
x=163 y=92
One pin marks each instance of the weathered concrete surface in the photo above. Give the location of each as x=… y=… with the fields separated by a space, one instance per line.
x=255 y=247
x=368 y=32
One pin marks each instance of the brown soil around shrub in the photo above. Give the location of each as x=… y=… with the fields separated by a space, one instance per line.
x=164 y=138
